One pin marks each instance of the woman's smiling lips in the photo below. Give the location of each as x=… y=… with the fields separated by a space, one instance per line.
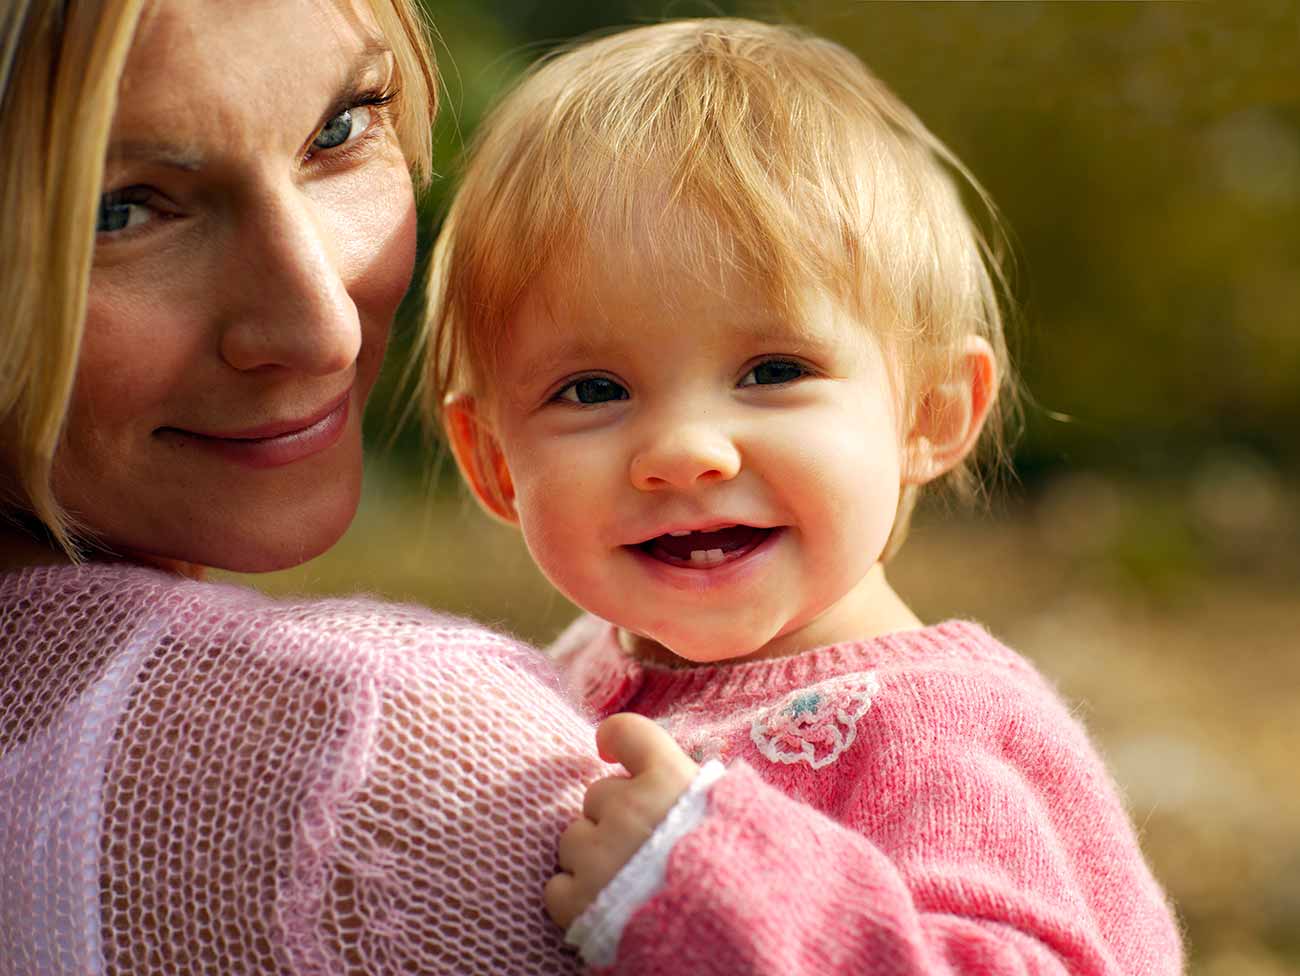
x=271 y=445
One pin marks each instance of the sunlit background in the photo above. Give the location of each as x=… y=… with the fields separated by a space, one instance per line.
x=1146 y=157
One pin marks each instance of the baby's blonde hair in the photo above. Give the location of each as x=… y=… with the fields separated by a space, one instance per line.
x=806 y=170
x=60 y=65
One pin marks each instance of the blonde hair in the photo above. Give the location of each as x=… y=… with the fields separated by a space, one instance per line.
x=805 y=168
x=60 y=66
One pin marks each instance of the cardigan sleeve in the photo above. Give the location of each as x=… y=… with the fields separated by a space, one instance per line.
x=996 y=844
x=768 y=886
x=342 y=794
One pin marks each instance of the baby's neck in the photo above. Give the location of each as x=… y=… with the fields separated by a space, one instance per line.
x=872 y=609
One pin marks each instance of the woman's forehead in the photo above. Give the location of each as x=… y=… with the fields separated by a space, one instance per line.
x=200 y=72
x=196 y=24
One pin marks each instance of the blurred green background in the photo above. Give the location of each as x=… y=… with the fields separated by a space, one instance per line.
x=1146 y=157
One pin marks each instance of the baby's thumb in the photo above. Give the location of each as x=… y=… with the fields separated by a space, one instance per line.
x=635 y=742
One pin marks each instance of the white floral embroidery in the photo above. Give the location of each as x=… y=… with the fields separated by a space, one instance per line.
x=703 y=741
x=815 y=725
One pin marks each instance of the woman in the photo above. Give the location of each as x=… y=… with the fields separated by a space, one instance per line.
x=208 y=227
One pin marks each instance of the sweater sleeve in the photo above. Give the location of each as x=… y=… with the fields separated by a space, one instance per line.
x=997 y=851
x=351 y=795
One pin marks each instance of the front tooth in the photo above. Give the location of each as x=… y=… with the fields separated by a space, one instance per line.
x=678 y=535
x=715 y=556
x=699 y=556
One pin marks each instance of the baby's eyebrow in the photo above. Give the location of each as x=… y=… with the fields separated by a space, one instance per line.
x=771 y=335
x=777 y=333
x=562 y=355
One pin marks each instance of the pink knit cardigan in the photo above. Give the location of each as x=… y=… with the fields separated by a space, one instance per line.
x=197 y=779
x=922 y=803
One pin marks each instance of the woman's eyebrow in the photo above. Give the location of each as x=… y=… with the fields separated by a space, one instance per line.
x=162 y=153
x=374 y=58
x=373 y=67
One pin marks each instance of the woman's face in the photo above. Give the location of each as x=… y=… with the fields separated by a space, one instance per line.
x=255 y=237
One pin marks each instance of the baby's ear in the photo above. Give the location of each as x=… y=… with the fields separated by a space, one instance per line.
x=478 y=455
x=950 y=414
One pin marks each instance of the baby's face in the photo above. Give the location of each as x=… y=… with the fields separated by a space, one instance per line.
x=697 y=469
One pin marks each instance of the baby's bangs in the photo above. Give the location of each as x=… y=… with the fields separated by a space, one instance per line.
x=734 y=148
x=704 y=152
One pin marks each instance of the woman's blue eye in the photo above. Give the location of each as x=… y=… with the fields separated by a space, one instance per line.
x=773 y=371
x=594 y=389
x=121 y=210
x=343 y=127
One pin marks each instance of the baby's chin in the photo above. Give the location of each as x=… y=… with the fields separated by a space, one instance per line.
x=693 y=649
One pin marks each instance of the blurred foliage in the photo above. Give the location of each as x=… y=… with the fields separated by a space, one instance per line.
x=1146 y=159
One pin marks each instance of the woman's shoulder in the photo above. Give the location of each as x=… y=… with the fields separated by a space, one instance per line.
x=358 y=634
x=112 y=605
x=338 y=745
x=122 y=587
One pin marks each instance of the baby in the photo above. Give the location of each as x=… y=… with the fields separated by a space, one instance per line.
x=706 y=314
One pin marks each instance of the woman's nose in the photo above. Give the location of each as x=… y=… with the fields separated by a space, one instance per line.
x=288 y=303
x=685 y=456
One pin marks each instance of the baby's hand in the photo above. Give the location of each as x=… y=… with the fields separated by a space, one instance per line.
x=619 y=813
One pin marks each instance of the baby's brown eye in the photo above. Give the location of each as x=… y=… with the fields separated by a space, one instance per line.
x=773 y=371
x=593 y=389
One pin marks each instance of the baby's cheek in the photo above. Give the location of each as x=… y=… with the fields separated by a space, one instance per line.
x=553 y=529
x=861 y=475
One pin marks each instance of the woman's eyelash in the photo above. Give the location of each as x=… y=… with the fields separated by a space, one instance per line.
x=367 y=98
x=378 y=99
x=114 y=213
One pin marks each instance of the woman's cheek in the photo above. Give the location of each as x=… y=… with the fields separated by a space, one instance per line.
x=393 y=260
x=378 y=250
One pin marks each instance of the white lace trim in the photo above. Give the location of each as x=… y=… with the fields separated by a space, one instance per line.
x=596 y=932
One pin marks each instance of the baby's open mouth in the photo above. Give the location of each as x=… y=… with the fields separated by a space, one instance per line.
x=704 y=549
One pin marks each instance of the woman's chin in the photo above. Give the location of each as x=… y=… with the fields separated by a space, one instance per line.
x=262 y=558
x=281 y=538
x=235 y=554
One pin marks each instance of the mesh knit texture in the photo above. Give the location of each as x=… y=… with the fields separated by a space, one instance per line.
x=197 y=779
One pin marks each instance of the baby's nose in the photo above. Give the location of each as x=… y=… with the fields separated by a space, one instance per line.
x=684 y=457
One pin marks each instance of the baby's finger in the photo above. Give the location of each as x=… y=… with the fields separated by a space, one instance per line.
x=561 y=900
x=599 y=796
x=577 y=839
x=635 y=742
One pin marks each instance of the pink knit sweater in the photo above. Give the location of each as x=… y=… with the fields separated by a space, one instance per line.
x=918 y=803
x=197 y=779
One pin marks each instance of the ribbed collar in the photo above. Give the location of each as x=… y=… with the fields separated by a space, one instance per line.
x=611 y=680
